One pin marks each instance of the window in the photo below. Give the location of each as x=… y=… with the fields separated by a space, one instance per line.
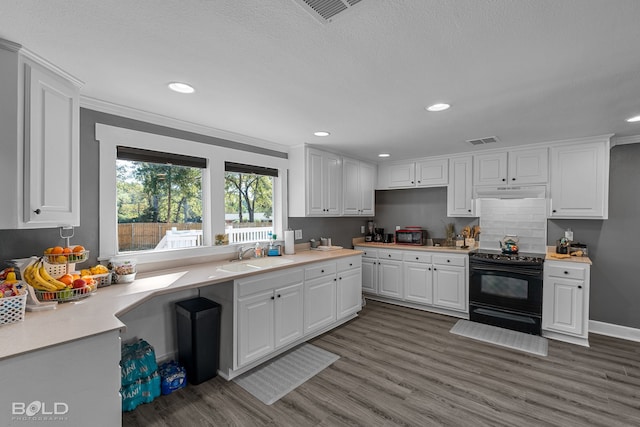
x=159 y=200
x=248 y=202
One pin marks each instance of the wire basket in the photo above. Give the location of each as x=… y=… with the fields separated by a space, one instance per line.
x=12 y=309
x=102 y=280
x=66 y=294
x=63 y=259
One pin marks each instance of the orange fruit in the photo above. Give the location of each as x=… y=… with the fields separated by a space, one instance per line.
x=66 y=251
x=67 y=279
x=57 y=250
x=78 y=249
x=76 y=276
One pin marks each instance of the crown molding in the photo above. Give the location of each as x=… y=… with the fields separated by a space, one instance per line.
x=623 y=140
x=161 y=120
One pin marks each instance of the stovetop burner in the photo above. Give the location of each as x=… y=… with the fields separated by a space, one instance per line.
x=521 y=258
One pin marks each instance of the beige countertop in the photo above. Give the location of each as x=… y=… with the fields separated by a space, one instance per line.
x=99 y=312
x=552 y=256
x=447 y=249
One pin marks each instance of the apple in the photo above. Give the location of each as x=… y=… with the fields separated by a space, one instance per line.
x=79 y=283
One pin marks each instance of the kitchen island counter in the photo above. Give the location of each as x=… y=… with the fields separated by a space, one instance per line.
x=99 y=312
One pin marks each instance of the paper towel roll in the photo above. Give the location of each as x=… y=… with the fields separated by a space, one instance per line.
x=289 y=243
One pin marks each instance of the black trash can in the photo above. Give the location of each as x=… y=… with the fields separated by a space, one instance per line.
x=199 y=338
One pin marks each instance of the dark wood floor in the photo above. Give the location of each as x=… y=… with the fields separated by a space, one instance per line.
x=400 y=366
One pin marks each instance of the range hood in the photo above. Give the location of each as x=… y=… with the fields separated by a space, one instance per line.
x=511 y=192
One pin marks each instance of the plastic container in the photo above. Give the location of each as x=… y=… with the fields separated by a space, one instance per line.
x=125 y=278
x=12 y=309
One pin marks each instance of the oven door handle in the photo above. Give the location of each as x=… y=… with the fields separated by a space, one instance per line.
x=501 y=269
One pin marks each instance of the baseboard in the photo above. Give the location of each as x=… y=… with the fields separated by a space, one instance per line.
x=616 y=331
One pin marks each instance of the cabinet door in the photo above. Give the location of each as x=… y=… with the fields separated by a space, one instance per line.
x=432 y=173
x=459 y=190
x=288 y=314
x=580 y=181
x=370 y=275
x=490 y=169
x=418 y=282
x=315 y=184
x=529 y=166
x=333 y=184
x=319 y=303
x=351 y=197
x=349 y=289
x=449 y=288
x=390 y=278
x=52 y=150
x=367 y=189
x=402 y=175
x=255 y=326
x=562 y=308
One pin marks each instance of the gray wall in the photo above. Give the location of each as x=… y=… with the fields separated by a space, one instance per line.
x=615 y=279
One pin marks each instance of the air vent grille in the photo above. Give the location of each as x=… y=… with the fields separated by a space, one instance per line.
x=480 y=141
x=326 y=10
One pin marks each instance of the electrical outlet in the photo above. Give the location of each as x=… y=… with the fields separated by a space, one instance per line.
x=298 y=234
x=362 y=229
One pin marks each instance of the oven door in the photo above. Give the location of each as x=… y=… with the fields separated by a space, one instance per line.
x=510 y=288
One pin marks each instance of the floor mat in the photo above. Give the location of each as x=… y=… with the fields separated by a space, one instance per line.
x=275 y=378
x=503 y=337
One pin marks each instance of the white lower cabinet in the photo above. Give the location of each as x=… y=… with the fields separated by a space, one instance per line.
x=268 y=313
x=274 y=311
x=431 y=279
x=565 y=307
x=320 y=298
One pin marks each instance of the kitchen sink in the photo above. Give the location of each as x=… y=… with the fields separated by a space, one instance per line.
x=238 y=267
x=253 y=264
x=268 y=262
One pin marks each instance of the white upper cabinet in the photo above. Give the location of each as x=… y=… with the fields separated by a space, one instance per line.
x=514 y=167
x=459 y=190
x=425 y=173
x=358 y=192
x=315 y=182
x=40 y=164
x=580 y=180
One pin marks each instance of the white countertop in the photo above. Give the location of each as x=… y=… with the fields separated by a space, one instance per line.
x=98 y=313
x=552 y=256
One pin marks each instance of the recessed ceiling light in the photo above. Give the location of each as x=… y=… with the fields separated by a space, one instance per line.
x=633 y=119
x=321 y=133
x=438 y=107
x=181 y=87
x=384 y=155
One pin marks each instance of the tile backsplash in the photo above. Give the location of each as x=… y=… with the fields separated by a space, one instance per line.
x=526 y=218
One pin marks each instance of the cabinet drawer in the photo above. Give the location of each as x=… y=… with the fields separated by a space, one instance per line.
x=319 y=270
x=415 y=256
x=565 y=271
x=386 y=254
x=349 y=263
x=368 y=252
x=263 y=282
x=458 y=261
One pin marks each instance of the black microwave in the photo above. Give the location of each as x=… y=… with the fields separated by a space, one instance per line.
x=411 y=236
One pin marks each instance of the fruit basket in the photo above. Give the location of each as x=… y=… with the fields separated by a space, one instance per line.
x=12 y=308
x=102 y=280
x=66 y=294
x=72 y=257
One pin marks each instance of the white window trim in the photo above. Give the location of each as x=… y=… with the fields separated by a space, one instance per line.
x=110 y=137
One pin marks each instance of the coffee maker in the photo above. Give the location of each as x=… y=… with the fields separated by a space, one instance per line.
x=369 y=236
x=378 y=235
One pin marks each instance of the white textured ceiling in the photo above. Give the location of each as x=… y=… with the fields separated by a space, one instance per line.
x=525 y=71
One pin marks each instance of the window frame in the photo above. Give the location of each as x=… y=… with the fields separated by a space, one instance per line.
x=109 y=137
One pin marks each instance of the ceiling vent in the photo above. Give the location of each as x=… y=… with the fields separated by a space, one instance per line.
x=480 y=141
x=325 y=11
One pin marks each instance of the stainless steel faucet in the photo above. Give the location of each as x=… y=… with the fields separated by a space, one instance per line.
x=242 y=252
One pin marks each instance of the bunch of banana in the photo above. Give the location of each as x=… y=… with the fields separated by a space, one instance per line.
x=38 y=277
